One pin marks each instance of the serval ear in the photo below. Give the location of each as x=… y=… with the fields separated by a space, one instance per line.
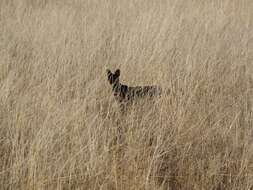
x=117 y=73
x=108 y=71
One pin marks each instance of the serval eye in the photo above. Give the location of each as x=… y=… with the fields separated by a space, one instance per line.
x=109 y=78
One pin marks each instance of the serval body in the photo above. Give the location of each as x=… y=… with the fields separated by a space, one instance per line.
x=127 y=94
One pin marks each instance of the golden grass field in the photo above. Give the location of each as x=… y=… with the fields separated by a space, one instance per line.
x=60 y=127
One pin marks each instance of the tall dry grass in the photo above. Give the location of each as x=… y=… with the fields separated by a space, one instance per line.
x=59 y=124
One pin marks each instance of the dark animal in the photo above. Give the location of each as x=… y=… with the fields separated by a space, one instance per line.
x=127 y=94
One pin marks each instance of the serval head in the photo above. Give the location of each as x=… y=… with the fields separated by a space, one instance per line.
x=113 y=78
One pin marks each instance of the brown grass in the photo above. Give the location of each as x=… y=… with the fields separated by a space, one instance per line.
x=59 y=124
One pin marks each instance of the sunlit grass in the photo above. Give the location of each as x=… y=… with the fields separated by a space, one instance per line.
x=60 y=127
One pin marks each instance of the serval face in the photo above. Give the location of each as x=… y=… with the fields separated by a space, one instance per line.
x=113 y=77
x=124 y=93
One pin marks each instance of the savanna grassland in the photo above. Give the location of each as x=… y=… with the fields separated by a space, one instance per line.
x=60 y=127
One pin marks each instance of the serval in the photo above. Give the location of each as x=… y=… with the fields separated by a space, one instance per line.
x=127 y=94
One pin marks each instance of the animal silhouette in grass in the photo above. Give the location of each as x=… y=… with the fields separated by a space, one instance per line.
x=127 y=94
